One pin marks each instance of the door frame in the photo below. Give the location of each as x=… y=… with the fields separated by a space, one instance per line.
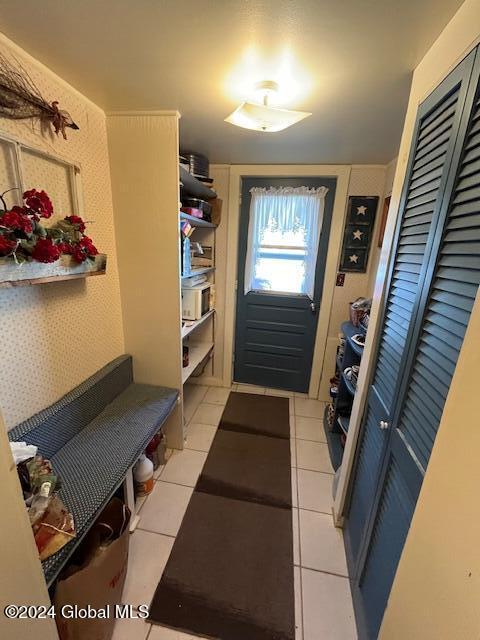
x=237 y=172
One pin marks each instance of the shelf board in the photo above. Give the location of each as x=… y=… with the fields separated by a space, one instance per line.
x=198 y=272
x=188 y=329
x=195 y=187
x=31 y=273
x=196 y=222
x=198 y=351
x=344 y=423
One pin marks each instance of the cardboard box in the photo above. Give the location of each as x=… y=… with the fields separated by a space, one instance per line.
x=95 y=577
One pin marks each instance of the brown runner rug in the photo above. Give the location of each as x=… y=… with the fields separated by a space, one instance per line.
x=230 y=573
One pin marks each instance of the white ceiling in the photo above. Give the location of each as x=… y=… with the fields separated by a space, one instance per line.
x=352 y=59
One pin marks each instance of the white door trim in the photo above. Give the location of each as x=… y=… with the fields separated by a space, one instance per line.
x=342 y=173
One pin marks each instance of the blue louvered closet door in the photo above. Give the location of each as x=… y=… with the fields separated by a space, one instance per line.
x=432 y=285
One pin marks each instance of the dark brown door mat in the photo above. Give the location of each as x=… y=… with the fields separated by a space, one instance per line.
x=230 y=573
x=246 y=467
x=256 y=414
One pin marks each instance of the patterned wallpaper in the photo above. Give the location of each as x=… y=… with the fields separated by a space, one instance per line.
x=54 y=336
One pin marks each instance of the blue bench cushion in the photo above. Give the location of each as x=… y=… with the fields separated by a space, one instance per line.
x=53 y=427
x=93 y=435
x=94 y=463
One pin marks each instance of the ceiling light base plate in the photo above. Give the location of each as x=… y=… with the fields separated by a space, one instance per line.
x=267 y=85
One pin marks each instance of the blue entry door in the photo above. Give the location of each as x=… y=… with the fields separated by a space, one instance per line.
x=275 y=330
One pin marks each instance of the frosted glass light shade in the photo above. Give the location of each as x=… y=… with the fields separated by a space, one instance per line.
x=264 y=118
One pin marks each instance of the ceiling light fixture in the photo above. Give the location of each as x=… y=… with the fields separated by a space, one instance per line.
x=261 y=116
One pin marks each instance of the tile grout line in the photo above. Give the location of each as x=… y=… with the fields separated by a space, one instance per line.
x=308 y=439
x=324 y=513
x=298 y=534
x=295 y=471
x=179 y=484
x=328 y=573
x=158 y=533
x=157 y=479
x=198 y=450
x=327 y=473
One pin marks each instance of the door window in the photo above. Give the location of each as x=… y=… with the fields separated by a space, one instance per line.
x=283 y=239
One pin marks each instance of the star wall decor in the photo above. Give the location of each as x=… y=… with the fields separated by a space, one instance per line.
x=358 y=233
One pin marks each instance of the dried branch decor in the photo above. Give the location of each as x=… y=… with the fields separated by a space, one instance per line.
x=21 y=99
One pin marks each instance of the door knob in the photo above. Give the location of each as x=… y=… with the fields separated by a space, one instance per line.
x=384 y=425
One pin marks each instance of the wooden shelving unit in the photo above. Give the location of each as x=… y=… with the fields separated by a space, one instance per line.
x=198 y=336
x=337 y=430
x=198 y=271
x=190 y=326
x=194 y=187
x=198 y=352
x=197 y=222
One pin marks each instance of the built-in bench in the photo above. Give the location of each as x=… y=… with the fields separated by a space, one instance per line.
x=93 y=436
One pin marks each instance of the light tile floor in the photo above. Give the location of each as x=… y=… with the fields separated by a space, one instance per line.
x=323 y=606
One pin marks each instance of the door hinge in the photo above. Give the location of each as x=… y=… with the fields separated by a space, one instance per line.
x=236 y=285
x=240 y=200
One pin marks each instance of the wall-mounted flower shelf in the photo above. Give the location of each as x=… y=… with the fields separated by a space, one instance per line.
x=28 y=273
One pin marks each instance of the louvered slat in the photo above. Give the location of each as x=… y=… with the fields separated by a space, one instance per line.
x=388 y=537
x=421 y=201
x=455 y=284
x=412 y=339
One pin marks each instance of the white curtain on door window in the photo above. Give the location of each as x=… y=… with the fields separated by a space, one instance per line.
x=288 y=221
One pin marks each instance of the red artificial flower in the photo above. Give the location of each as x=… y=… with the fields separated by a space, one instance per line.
x=77 y=221
x=45 y=251
x=65 y=247
x=78 y=254
x=38 y=202
x=6 y=245
x=17 y=219
x=88 y=245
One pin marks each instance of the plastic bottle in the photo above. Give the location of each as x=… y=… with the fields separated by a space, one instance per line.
x=143 y=476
